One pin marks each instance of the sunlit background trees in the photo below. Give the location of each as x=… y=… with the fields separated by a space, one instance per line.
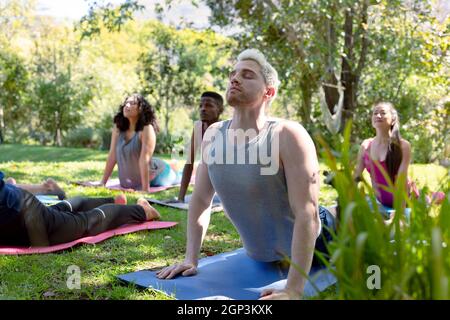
x=62 y=81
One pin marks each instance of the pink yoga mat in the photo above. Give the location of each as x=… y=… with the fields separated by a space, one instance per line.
x=114 y=184
x=149 y=225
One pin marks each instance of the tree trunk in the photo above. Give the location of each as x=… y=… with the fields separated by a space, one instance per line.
x=305 y=110
x=330 y=86
x=351 y=69
x=2 y=126
x=166 y=117
x=347 y=76
x=57 y=137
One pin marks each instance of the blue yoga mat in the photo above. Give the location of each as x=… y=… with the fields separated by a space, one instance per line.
x=231 y=275
x=388 y=211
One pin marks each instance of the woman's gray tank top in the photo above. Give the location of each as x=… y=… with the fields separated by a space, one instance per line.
x=127 y=157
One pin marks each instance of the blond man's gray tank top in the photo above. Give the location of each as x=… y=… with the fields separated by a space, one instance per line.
x=127 y=157
x=256 y=203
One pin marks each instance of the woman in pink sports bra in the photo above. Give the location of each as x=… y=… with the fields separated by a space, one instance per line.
x=387 y=149
x=392 y=154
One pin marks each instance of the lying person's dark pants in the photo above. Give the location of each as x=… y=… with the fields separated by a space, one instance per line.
x=328 y=224
x=39 y=225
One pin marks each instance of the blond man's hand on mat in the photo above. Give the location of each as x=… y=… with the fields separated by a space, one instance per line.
x=186 y=269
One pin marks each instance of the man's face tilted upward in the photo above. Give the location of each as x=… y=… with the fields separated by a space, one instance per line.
x=246 y=86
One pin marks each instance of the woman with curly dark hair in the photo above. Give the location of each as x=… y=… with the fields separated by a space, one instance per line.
x=132 y=145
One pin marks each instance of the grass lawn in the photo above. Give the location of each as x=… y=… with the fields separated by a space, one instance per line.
x=44 y=276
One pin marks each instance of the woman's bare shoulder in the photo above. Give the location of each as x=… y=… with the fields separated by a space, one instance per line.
x=366 y=142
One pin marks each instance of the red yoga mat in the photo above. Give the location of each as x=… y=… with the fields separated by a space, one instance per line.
x=149 y=225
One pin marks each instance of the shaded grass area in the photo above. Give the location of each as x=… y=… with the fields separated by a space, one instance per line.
x=14 y=152
x=45 y=276
x=32 y=153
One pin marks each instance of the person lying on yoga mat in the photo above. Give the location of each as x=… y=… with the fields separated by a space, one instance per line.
x=211 y=107
x=386 y=153
x=266 y=173
x=48 y=187
x=133 y=142
x=25 y=221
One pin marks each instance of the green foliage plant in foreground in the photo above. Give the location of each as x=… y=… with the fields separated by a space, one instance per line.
x=45 y=276
x=373 y=260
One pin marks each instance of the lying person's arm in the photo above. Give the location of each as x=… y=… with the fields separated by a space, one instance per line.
x=49 y=187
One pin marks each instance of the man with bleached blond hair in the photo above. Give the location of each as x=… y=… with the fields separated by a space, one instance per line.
x=266 y=173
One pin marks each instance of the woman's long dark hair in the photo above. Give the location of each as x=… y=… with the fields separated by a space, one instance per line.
x=394 y=154
x=146 y=115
